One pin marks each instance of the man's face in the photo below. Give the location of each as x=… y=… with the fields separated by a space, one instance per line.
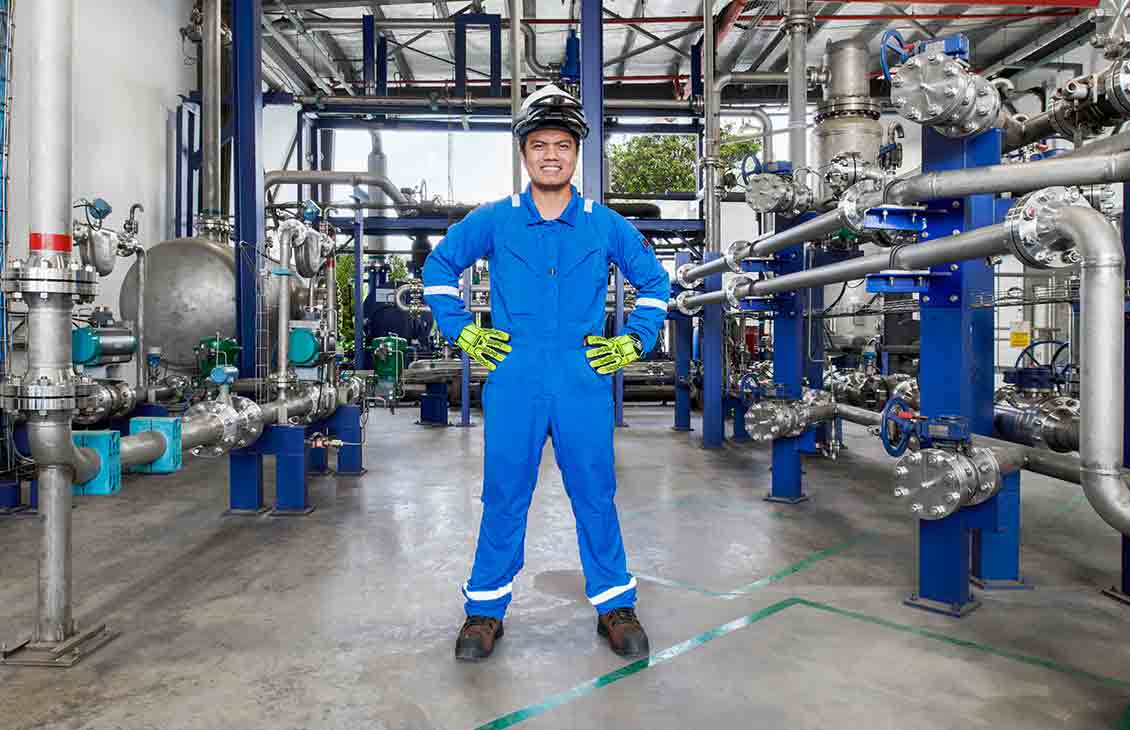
x=551 y=157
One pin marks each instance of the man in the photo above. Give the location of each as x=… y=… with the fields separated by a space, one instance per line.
x=549 y=251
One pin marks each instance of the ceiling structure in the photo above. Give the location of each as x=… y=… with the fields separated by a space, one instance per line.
x=314 y=46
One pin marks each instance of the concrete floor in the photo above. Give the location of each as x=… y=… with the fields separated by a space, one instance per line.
x=760 y=615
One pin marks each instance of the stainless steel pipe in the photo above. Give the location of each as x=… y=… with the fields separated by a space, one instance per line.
x=334 y=177
x=798 y=23
x=142 y=448
x=1067 y=171
x=1102 y=307
x=212 y=51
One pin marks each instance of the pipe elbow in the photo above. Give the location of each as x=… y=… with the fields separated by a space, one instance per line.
x=1109 y=495
x=50 y=444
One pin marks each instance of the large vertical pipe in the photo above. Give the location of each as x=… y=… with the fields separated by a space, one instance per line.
x=516 y=83
x=286 y=237
x=212 y=49
x=49 y=315
x=53 y=623
x=378 y=165
x=710 y=163
x=797 y=21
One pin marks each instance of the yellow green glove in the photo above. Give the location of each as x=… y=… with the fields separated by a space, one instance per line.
x=607 y=355
x=485 y=346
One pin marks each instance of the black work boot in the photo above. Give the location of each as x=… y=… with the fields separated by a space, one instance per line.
x=623 y=631
x=477 y=637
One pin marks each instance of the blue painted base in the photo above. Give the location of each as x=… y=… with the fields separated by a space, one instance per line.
x=956 y=610
x=786 y=500
x=11 y=498
x=434 y=405
x=1002 y=585
x=807 y=443
x=736 y=409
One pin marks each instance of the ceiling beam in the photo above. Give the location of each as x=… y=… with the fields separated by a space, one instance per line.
x=398 y=56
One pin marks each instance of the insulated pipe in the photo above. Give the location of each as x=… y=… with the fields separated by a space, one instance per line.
x=335 y=177
x=212 y=51
x=798 y=23
x=1069 y=170
x=1102 y=307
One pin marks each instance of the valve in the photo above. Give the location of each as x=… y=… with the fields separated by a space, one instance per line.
x=897 y=426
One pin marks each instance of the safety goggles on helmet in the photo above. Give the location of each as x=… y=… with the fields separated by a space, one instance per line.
x=551 y=108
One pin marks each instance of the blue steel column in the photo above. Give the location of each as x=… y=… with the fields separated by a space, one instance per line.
x=592 y=152
x=358 y=299
x=246 y=471
x=682 y=346
x=789 y=349
x=368 y=53
x=710 y=348
x=959 y=339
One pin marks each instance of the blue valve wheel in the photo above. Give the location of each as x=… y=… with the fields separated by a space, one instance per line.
x=746 y=173
x=899 y=48
x=895 y=428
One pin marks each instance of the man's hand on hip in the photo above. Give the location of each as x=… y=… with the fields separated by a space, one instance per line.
x=485 y=346
x=607 y=355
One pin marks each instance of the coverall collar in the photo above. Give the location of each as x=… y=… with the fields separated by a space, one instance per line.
x=568 y=216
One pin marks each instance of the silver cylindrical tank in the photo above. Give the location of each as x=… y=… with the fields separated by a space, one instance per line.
x=847 y=123
x=190 y=295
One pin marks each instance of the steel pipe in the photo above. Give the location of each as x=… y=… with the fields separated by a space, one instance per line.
x=798 y=23
x=142 y=448
x=1069 y=170
x=53 y=611
x=211 y=91
x=1102 y=307
x=335 y=177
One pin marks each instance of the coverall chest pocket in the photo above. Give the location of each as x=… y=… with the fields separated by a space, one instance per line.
x=515 y=270
x=584 y=281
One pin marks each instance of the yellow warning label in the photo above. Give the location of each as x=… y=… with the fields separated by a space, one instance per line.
x=1022 y=338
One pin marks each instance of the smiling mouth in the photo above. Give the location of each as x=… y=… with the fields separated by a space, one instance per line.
x=551 y=168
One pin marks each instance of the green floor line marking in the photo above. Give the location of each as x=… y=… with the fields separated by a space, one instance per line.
x=586 y=688
x=780 y=575
x=1069 y=507
x=967 y=644
x=635 y=667
x=797 y=567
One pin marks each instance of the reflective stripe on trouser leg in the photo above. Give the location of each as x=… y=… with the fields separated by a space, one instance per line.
x=515 y=426
x=582 y=427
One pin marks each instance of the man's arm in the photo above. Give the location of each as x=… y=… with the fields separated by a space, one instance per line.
x=637 y=260
x=465 y=243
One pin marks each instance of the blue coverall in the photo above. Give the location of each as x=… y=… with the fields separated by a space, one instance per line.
x=548 y=282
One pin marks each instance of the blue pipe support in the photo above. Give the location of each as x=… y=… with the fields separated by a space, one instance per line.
x=786 y=483
x=249 y=222
x=382 y=65
x=682 y=346
x=187 y=174
x=494 y=25
x=959 y=339
x=368 y=53
x=358 y=299
x=713 y=414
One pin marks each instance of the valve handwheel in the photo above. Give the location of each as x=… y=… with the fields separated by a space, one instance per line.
x=747 y=173
x=895 y=428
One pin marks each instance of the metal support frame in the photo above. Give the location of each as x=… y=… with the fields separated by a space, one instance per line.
x=494 y=24
x=682 y=349
x=958 y=338
x=358 y=299
x=710 y=347
x=789 y=346
x=249 y=221
x=368 y=55
x=187 y=187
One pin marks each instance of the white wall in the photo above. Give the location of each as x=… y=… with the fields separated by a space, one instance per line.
x=128 y=68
